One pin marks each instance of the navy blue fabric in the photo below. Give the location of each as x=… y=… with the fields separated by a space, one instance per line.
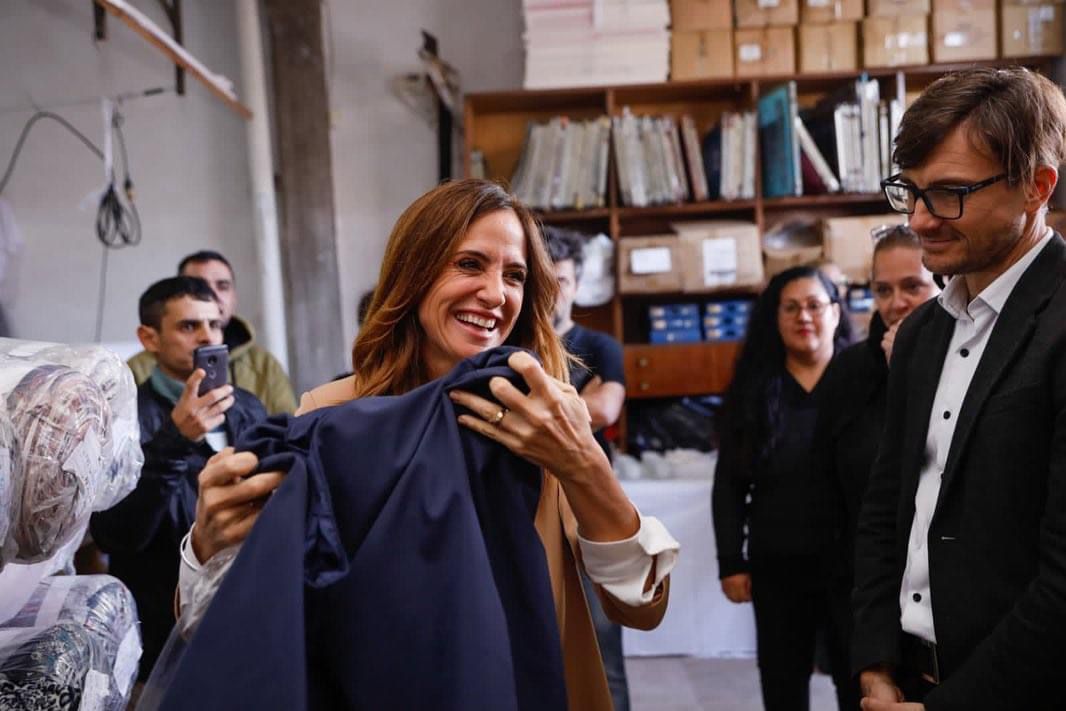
x=397 y=567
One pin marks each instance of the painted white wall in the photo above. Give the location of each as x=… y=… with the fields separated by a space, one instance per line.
x=384 y=154
x=189 y=155
x=188 y=159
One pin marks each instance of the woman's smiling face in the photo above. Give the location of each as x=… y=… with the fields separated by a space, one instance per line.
x=474 y=302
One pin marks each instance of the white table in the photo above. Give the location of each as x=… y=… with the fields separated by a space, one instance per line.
x=700 y=621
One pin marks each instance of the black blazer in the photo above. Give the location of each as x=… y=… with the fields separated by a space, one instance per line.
x=851 y=415
x=997 y=541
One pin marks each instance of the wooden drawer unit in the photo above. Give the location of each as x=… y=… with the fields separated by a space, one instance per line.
x=675 y=370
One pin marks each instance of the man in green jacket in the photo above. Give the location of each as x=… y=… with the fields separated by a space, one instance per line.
x=251 y=366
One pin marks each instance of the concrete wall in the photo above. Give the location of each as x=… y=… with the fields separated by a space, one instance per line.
x=384 y=153
x=187 y=154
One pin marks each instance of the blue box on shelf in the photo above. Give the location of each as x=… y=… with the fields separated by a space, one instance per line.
x=674 y=311
x=721 y=308
x=691 y=335
x=722 y=335
x=737 y=320
x=675 y=324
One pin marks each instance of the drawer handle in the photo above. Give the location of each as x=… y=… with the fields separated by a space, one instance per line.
x=642 y=362
x=644 y=385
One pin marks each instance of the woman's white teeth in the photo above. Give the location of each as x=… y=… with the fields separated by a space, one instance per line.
x=488 y=323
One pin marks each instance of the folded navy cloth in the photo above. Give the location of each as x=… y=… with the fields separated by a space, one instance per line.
x=397 y=567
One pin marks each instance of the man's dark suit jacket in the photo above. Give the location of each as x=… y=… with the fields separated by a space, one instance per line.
x=997 y=541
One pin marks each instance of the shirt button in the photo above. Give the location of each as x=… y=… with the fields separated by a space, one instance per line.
x=917 y=597
x=947 y=414
x=964 y=352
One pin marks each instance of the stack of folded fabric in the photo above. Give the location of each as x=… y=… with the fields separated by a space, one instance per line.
x=596 y=42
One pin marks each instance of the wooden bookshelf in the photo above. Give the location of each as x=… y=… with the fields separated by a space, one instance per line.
x=495 y=124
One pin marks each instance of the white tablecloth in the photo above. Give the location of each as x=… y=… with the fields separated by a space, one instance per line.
x=700 y=621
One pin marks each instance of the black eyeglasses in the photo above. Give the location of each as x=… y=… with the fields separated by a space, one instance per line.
x=943 y=202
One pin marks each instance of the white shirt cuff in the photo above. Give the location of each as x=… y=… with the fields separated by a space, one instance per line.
x=622 y=567
x=188 y=573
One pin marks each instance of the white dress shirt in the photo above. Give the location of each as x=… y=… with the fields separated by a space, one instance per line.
x=621 y=567
x=974 y=322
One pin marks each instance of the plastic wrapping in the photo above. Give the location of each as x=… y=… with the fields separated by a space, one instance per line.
x=73 y=645
x=70 y=443
x=596 y=285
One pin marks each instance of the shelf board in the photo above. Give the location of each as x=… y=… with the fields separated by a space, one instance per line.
x=556 y=216
x=687 y=209
x=537 y=99
x=824 y=200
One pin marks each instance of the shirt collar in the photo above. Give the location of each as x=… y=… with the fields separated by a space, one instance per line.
x=167 y=387
x=995 y=295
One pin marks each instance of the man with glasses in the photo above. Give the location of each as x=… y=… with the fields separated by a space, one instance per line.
x=960 y=599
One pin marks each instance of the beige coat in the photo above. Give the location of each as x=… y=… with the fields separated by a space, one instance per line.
x=586 y=683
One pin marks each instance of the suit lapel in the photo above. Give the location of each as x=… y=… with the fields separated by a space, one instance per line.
x=1014 y=327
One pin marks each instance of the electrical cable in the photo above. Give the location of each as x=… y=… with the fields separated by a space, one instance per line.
x=118 y=224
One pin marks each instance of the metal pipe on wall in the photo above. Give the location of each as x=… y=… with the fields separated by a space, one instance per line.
x=261 y=167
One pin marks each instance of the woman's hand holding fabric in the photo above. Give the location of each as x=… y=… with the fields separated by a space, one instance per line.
x=229 y=503
x=550 y=427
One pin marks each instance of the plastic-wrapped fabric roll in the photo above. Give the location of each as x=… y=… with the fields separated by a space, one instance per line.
x=70 y=440
x=111 y=374
x=74 y=644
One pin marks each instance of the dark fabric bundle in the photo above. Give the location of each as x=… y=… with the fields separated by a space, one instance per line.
x=397 y=567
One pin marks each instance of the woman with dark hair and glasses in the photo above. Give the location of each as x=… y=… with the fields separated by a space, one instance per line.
x=772 y=516
x=852 y=412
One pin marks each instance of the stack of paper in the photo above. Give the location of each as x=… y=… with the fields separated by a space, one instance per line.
x=595 y=42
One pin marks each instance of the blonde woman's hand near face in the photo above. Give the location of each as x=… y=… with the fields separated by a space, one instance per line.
x=889 y=339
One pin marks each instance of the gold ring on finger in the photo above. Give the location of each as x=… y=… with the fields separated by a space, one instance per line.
x=498 y=417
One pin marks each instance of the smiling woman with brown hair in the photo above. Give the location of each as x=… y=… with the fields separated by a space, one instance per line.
x=466 y=271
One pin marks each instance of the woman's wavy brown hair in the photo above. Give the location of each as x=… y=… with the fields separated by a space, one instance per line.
x=387 y=355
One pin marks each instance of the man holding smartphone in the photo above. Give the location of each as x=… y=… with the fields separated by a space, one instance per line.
x=181 y=428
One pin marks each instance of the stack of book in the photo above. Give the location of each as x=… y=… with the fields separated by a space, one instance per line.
x=651 y=165
x=844 y=143
x=564 y=164
x=729 y=157
x=595 y=42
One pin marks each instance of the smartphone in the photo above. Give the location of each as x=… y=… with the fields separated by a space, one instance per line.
x=213 y=360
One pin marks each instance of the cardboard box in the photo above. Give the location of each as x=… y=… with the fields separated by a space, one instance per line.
x=765 y=52
x=649 y=265
x=1031 y=30
x=962 y=37
x=689 y=15
x=705 y=54
x=719 y=254
x=822 y=12
x=829 y=48
x=895 y=41
x=963 y=5
x=848 y=244
x=766 y=13
x=778 y=260
x=897 y=8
